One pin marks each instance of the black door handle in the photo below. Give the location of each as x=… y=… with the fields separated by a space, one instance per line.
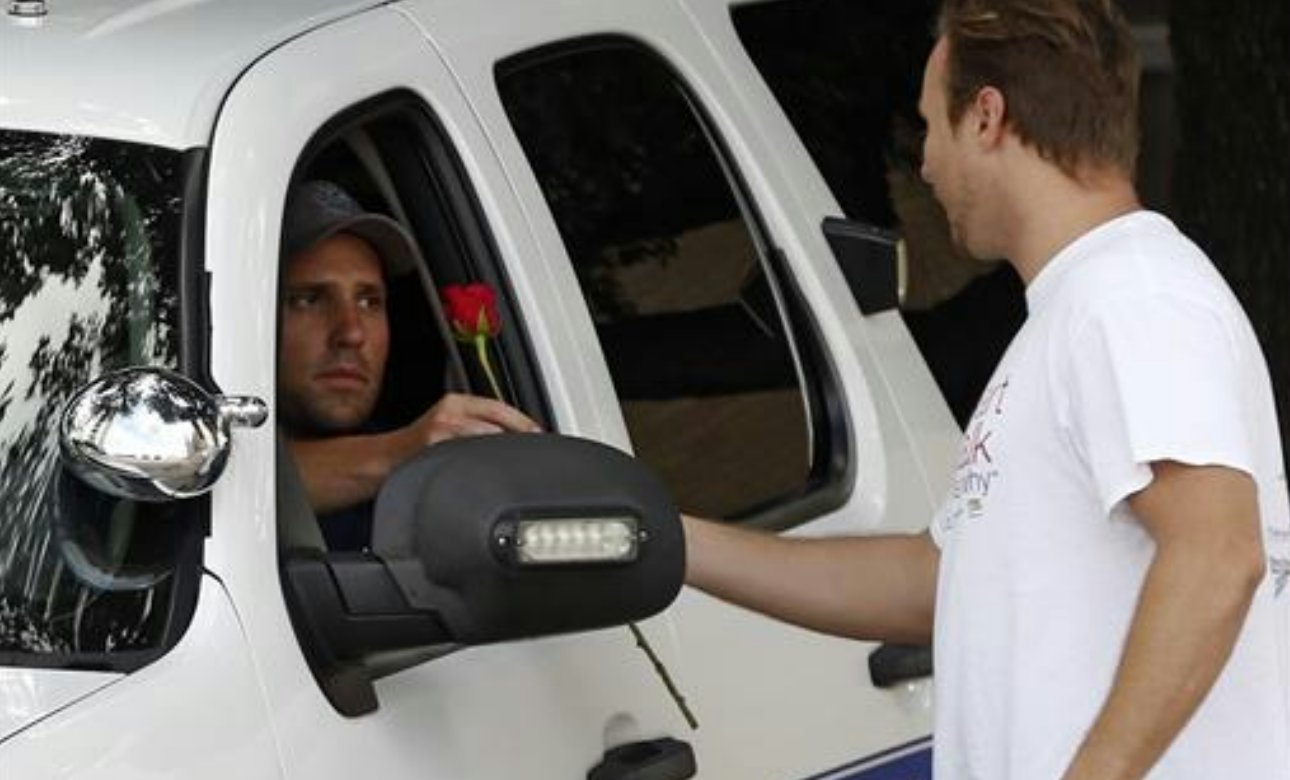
x=655 y=759
x=891 y=664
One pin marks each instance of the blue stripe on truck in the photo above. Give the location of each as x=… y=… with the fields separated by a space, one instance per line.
x=907 y=762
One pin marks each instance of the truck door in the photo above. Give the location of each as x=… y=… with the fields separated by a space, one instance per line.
x=720 y=343
x=366 y=104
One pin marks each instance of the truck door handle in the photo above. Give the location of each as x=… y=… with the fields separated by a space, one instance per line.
x=655 y=759
x=891 y=664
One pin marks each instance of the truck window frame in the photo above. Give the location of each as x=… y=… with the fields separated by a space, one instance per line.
x=830 y=475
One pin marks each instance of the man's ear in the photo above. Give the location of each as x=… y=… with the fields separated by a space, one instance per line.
x=986 y=118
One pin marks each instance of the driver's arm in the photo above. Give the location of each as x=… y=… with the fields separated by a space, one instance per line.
x=342 y=471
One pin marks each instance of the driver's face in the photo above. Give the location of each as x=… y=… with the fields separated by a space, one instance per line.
x=335 y=336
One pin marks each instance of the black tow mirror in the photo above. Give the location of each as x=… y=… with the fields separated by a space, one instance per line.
x=483 y=540
x=523 y=535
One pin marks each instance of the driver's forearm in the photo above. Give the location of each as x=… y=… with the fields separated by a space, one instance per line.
x=348 y=470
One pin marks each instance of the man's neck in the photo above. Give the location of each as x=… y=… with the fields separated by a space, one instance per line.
x=1052 y=210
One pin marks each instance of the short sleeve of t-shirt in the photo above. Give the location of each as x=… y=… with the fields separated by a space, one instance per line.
x=1153 y=378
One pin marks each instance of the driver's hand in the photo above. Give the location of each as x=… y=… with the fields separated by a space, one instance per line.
x=457 y=415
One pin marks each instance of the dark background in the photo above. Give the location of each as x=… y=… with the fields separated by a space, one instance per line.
x=1216 y=148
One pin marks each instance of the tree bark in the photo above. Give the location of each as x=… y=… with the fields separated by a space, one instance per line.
x=1231 y=179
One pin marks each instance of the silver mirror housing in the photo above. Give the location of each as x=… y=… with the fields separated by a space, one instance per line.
x=150 y=434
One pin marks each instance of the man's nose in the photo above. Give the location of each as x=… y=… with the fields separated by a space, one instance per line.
x=347 y=326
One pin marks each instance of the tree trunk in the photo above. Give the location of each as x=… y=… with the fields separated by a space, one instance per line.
x=1231 y=180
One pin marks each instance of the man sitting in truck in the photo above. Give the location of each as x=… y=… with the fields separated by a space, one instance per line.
x=335 y=338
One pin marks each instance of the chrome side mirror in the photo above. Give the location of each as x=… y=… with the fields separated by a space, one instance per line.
x=149 y=434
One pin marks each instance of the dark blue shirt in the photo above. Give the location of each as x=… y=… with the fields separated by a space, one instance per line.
x=349 y=528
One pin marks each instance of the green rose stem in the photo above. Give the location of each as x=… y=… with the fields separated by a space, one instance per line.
x=481 y=350
x=483 y=332
x=661 y=671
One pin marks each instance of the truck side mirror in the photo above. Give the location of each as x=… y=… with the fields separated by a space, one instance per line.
x=483 y=540
x=522 y=535
x=150 y=434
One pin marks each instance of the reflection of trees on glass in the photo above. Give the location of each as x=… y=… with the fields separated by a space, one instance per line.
x=89 y=235
x=686 y=308
x=614 y=194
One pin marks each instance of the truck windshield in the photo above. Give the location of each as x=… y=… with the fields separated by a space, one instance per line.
x=89 y=245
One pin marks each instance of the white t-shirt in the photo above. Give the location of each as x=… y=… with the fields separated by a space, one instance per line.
x=1134 y=350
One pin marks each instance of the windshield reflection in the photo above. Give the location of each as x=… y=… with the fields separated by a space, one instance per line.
x=89 y=233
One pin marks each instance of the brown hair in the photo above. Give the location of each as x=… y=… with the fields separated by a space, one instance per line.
x=1067 y=69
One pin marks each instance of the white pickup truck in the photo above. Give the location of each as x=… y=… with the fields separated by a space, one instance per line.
x=685 y=207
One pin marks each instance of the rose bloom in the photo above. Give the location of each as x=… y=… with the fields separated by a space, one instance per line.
x=471 y=310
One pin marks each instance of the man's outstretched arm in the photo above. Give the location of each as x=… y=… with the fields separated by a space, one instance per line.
x=346 y=470
x=1209 y=561
x=878 y=588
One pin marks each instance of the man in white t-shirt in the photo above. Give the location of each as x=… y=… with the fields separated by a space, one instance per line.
x=1095 y=582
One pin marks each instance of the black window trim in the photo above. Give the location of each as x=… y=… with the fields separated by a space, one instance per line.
x=831 y=477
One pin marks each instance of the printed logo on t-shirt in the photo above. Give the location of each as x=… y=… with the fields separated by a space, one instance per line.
x=977 y=469
x=1278 y=543
x=1280 y=568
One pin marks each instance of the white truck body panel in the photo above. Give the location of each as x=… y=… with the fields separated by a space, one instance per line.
x=253 y=82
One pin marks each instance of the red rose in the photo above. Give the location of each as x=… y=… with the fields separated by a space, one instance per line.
x=472 y=311
x=472 y=314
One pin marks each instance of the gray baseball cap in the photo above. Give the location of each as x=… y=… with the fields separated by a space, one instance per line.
x=320 y=209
